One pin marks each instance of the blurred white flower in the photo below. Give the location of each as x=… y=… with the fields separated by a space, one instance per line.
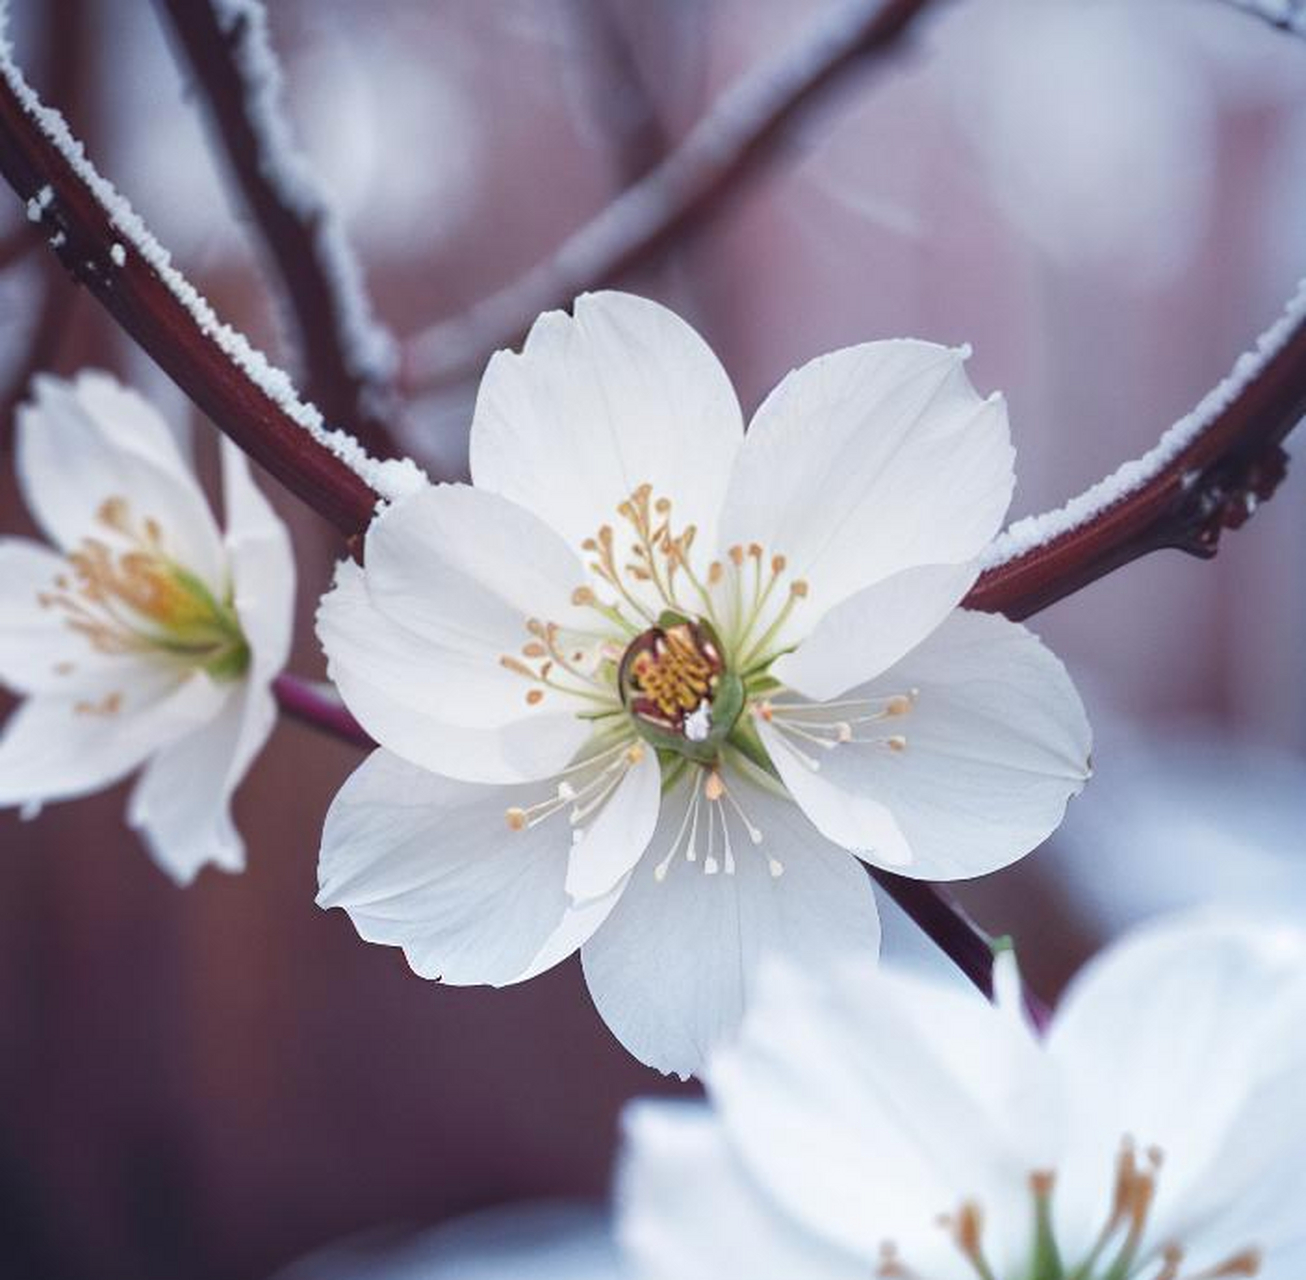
x=662 y=748
x=145 y=636
x=881 y=1125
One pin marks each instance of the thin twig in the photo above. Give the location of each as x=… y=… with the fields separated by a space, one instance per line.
x=350 y=360
x=319 y=707
x=740 y=131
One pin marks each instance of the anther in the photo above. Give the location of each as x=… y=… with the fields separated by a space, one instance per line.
x=534 y=697
x=798 y=589
x=737 y=555
x=516 y=818
x=714 y=788
x=896 y=743
x=583 y=595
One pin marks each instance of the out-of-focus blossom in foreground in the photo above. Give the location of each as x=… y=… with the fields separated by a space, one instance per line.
x=145 y=636
x=644 y=687
x=881 y=1125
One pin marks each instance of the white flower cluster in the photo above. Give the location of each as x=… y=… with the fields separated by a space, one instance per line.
x=659 y=690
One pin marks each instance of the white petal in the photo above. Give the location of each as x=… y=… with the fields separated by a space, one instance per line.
x=54 y=748
x=672 y=968
x=430 y=865
x=868 y=461
x=996 y=744
x=38 y=650
x=869 y=1104
x=261 y=564
x=396 y=683
x=856 y=822
x=182 y=803
x=82 y=442
x=873 y=629
x=466 y=570
x=690 y=1211
x=619 y=833
x=619 y=394
x=1188 y=1036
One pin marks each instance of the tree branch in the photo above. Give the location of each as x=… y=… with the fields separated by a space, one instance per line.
x=319 y=707
x=349 y=359
x=1208 y=472
x=105 y=246
x=741 y=130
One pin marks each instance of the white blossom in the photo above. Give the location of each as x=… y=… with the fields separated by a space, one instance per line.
x=142 y=636
x=870 y=1124
x=643 y=686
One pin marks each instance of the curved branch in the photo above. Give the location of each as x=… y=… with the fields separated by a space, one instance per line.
x=1208 y=472
x=105 y=246
x=349 y=359
x=741 y=130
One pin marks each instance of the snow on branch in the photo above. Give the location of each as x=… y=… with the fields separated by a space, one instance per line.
x=106 y=246
x=350 y=358
x=1208 y=471
x=739 y=131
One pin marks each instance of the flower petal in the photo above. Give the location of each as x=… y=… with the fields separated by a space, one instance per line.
x=55 y=747
x=397 y=683
x=855 y=822
x=996 y=743
x=1209 y=1010
x=182 y=803
x=430 y=865
x=620 y=832
x=261 y=564
x=466 y=570
x=868 y=461
x=82 y=442
x=38 y=650
x=867 y=1104
x=618 y=394
x=873 y=629
x=689 y=1210
x=672 y=968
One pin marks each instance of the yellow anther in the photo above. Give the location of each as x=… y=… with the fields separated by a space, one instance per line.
x=737 y=555
x=798 y=589
x=582 y=595
x=635 y=752
x=516 y=818
x=714 y=788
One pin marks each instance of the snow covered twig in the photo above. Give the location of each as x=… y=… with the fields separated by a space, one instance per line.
x=741 y=129
x=350 y=360
x=1208 y=472
x=106 y=246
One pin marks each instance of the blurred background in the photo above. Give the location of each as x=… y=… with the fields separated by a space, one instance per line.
x=1107 y=199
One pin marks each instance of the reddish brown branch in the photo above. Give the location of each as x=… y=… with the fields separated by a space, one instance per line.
x=740 y=132
x=84 y=236
x=349 y=361
x=1214 y=482
x=308 y=704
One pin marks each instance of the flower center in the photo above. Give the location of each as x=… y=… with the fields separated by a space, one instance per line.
x=674 y=683
x=140 y=600
x=1120 y=1251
